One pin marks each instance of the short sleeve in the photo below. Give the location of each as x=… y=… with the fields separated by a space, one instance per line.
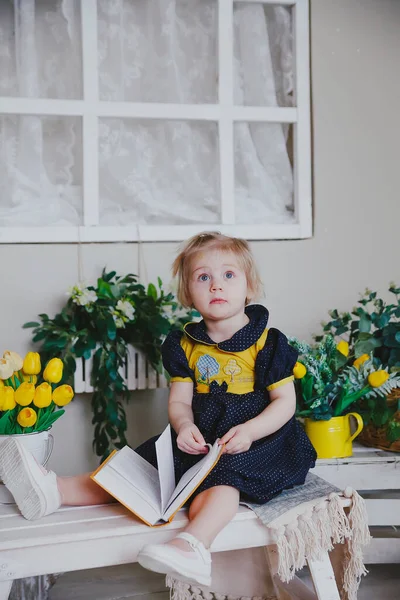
x=275 y=361
x=174 y=358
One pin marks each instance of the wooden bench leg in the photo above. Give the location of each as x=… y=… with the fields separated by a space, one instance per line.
x=323 y=578
x=295 y=589
x=5 y=588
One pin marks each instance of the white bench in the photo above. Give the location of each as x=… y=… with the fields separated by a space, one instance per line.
x=376 y=475
x=76 y=538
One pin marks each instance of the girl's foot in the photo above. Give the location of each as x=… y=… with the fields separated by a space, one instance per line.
x=34 y=489
x=193 y=564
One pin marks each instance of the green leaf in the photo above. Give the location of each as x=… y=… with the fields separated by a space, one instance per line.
x=30 y=324
x=365 y=323
x=111 y=328
x=152 y=291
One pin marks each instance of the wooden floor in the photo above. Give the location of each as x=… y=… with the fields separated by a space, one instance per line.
x=132 y=582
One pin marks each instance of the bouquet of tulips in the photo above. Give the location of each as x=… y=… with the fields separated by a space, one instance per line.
x=25 y=405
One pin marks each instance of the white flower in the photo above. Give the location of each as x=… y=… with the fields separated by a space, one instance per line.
x=126 y=309
x=119 y=323
x=85 y=297
x=6 y=368
x=16 y=360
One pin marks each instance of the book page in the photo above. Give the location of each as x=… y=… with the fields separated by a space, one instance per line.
x=191 y=479
x=122 y=490
x=139 y=474
x=166 y=471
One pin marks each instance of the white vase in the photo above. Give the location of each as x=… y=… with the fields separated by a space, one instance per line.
x=39 y=443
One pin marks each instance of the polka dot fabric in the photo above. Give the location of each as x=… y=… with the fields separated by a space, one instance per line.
x=273 y=463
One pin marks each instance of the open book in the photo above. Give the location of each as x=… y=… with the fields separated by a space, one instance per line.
x=149 y=493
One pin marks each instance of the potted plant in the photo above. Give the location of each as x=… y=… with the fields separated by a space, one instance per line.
x=373 y=329
x=31 y=401
x=102 y=321
x=328 y=385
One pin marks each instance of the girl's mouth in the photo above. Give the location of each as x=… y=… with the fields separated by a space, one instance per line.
x=218 y=301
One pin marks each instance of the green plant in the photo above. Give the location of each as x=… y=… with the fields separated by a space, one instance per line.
x=373 y=327
x=328 y=385
x=101 y=322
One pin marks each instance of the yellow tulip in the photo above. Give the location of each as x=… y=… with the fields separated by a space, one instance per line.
x=27 y=417
x=32 y=364
x=24 y=394
x=53 y=371
x=378 y=378
x=299 y=370
x=343 y=348
x=63 y=395
x=7 y=398
x=1 y=383
x=42 y=396
x=15 y=358
x=6 y=368
x=360 y=360
x=30 y=378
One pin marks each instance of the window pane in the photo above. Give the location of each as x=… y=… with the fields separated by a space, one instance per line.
x=158 y=173
x=158 y=51
x=41 y=52
x=263 y=173
x=40 y=171
x=263 y=55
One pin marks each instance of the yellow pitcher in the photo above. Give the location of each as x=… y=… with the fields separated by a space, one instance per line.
x=333 y=439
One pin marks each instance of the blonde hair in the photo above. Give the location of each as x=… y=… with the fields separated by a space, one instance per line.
x=215 y=240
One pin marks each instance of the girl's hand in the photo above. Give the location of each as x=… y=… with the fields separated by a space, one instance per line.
x=190 y=440
x=237 y=439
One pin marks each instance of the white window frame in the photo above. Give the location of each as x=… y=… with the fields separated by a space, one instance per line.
x=225 y=114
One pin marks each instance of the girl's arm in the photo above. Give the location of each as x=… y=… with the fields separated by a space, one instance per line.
x=278 y=412
x=180 y=416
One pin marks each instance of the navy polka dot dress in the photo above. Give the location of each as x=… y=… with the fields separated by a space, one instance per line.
x=232 y=380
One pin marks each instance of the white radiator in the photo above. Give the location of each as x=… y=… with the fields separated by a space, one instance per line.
x=138 y=374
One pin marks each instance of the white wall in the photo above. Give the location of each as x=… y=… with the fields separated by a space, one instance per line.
x=356 y=127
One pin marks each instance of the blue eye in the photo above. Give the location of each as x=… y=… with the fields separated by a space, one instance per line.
x=204 y=277
x=229 y=275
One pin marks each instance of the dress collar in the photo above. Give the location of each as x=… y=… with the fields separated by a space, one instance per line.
x=242 y=339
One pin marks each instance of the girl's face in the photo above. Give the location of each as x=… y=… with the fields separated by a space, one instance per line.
x=218 y=285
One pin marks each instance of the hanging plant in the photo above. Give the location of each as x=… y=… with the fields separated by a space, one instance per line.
x=102 y=322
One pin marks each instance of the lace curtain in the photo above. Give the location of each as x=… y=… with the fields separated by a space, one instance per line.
x=150 y=171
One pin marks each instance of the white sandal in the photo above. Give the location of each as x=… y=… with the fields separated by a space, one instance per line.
x=164 y=558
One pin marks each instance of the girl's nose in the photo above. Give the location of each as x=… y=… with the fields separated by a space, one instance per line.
x=216 y=285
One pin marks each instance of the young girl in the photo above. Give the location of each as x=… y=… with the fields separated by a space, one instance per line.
x=231 y=379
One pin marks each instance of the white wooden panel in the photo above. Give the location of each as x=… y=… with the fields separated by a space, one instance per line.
x=302 y=130
x=324 y=578
x=162 y=381
x=275 y=2
x=88 y=370
x=132 y=379
x=144 y=233
x=383 y=512
x=155 y=110
x=79 y=383
x=151 y=378
x=141 y=372
x=382 y=551
x=225 y=128
x=362 y=476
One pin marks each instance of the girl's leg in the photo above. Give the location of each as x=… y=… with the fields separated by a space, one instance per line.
x=80 y=490
x=187 y=555
x=209 y=512
x=38 y=492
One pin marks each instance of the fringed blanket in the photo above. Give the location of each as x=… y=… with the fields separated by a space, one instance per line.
x=306 y=520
